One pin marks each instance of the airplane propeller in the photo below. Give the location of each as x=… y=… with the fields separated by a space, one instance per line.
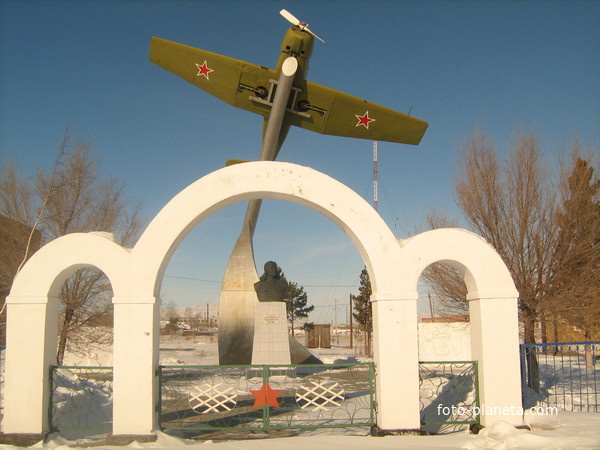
x=294 y=21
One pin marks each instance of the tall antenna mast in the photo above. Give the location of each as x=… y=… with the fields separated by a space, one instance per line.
x=375 y=175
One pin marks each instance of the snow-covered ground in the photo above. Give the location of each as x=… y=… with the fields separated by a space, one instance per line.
x=565 y=430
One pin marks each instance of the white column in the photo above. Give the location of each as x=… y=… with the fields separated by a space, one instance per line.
x=31 y=338
x=135 y=360
x=495 y=345
x=397 y=364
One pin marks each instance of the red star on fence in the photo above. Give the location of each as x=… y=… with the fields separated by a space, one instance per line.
x=266 y=396
x=364 y=120
x=203 y=70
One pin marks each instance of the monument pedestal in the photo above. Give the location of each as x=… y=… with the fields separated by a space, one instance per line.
x=271 y=341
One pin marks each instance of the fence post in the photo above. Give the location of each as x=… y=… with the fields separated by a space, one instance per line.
x=50 y=395
x=266 y=418
x=523 y=373
x=158 y=408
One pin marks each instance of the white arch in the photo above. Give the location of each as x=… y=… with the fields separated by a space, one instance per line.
x=493 y=308
x=32 y=309
x=136 y=276
x=48 y=268
x=485 y=274
x=268 y=180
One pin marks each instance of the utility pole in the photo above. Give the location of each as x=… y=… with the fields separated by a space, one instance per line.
x=431 y=307
x=335 y=318
x=292 y=314
x=351 y=331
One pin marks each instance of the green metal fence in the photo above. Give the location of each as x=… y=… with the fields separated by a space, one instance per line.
x=563 y=375
x=206 y=398
x=80 y=398
x=449 y=395
x=210 y=398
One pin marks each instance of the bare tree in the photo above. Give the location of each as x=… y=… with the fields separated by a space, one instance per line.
x=547 y=232
x=14 y=234
x=170 y=314
x=448 y=285
x=18 y=238
x=514 y=207
x=73 y=198
x=16 y=200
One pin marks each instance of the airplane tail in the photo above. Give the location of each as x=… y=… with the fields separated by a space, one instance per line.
x=231 y=162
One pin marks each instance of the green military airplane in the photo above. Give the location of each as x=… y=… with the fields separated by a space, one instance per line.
x=309 y=105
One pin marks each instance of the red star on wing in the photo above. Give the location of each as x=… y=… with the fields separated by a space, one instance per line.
x=266 y=396
x=203 y=69
x=364 y=120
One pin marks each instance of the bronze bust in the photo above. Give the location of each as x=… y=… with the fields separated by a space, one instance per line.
x=270 y=288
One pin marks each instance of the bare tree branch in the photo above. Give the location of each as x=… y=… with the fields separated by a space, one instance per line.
x=72 y=198
x=546 y=230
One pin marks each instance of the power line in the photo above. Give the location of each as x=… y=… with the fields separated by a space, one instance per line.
x=220 y=281
x=192 y=279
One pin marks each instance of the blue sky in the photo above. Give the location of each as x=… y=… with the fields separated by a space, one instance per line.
x=497 y=65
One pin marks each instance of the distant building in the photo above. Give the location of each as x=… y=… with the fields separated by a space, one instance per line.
x=561 y=330
x=198 y=317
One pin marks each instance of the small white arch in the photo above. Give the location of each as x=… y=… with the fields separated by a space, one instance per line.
x=49 y=267
x=485 y=274
x=493 y=308
x=32 y=326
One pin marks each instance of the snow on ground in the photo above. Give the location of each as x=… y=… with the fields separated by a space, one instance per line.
x=203 y=350
x=563 y=431
x=566 y=431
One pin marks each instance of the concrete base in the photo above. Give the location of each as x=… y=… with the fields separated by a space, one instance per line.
x=271 y=341
x=299 y=354
x=378 y=432
x=126 y=439
x=22 y=439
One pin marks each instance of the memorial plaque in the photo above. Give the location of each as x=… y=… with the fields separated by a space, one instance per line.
x=271 y=318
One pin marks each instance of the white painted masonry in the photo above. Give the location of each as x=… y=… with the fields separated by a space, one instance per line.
x=493 y=308
x=136 y=276
x=271 y=341
x=445 y=341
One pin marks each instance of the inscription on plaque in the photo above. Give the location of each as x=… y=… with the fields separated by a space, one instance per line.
x=271 y=318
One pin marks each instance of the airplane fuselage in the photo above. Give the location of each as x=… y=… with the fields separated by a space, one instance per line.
x=298 y=44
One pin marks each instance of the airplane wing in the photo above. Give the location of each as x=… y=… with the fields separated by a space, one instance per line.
x=328 y=111
x=219 y=75
x=312 y=106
